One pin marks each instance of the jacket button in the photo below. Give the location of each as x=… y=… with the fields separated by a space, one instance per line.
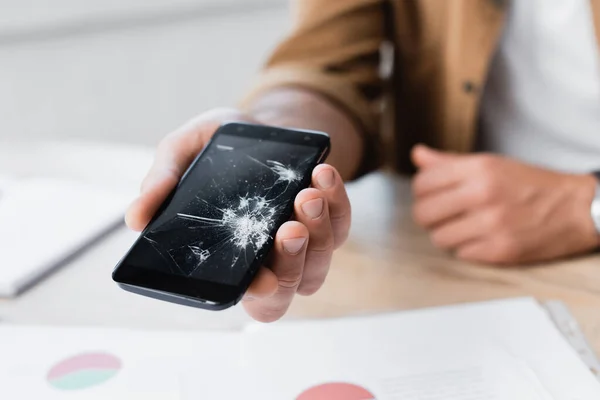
x=469 y=87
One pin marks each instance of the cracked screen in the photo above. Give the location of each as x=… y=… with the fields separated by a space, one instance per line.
x=226 y=208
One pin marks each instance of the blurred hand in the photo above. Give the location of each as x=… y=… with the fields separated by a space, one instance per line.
x=491 y=209
x=302 y=252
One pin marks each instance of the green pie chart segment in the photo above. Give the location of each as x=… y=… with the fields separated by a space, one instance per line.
x=83 y=371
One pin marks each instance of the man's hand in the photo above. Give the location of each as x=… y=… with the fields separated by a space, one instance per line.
x=491 y=209
x=302 y=252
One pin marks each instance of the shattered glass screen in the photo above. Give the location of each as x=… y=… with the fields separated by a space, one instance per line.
x=224 y=211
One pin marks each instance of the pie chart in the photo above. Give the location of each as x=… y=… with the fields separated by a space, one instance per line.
x=336 y=391
x=83 y=371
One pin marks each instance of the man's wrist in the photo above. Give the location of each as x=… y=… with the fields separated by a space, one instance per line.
x=580 y=189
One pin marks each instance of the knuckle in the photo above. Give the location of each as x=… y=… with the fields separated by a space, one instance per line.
x=419 y=184
x=290 y=282
x=321 y=241
x=439 y=239
x=505 y=251
x=322 y=245
x=340 y=237
x=469 y=254
x=164 y=145
x=484 y=191
x=341 y=217
x=495 y=219
x=269 y=314
x=415 y=185
x=308 y=288
x=146 y=181
x=420 y=214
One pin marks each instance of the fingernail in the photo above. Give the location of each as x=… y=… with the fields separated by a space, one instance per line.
x=313 y=208
x=326 y=179
x=293 y=246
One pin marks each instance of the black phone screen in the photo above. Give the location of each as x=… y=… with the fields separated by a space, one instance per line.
x=225 y=209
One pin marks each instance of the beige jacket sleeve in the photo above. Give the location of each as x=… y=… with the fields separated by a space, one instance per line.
x=333 y=49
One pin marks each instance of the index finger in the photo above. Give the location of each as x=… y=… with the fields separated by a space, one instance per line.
x=173 y=156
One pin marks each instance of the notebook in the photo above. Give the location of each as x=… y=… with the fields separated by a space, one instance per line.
x=507 y=349
x=44 y=222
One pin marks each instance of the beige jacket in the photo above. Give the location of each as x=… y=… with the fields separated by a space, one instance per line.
x=428 y=59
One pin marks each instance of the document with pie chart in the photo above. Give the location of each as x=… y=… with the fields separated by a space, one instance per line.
x=496 y=350
x=499 y=350
x=101 y=364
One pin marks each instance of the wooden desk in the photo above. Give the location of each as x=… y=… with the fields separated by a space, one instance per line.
x=389 y=264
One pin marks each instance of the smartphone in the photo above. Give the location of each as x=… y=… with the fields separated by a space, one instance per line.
x=208 y=239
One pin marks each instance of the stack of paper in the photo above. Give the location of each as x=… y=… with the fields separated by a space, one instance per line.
x=497 y=350
x=45 y=221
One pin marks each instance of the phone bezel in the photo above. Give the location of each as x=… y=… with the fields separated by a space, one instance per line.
x=203 y=293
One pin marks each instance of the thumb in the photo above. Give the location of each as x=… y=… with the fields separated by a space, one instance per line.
x=173 y=156
x=424 y=156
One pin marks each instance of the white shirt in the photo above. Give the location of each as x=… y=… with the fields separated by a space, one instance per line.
x=542 y=100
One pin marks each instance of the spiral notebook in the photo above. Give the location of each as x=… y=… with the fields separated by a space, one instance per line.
x=44 y=222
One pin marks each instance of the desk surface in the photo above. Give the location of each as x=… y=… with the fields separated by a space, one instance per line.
x=387 y=264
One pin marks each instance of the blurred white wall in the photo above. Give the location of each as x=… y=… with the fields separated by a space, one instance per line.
x=126 y=70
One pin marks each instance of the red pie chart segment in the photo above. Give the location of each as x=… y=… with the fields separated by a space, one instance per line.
x=336 y=391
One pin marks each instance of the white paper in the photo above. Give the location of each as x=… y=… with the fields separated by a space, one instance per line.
x=146 y=365
x=312 y=372
x=495 y=350
x=44 y=221
x=487 y=351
